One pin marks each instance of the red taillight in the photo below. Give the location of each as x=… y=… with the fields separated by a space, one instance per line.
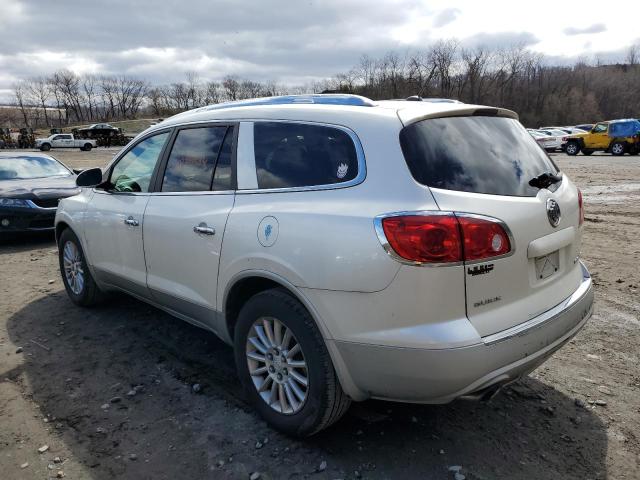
x=424 y=238
x=580 y=207
x=564 y=139
x=483 y=238
x=445 y=238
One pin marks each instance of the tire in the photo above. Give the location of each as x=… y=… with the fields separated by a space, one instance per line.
x=573 y=148
x=586 y=152
x=80 y=286
x=87 y=147
x=323 y=401
x=618 y=148
x=45 y=147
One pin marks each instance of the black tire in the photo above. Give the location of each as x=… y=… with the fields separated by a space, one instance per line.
x=87 y=147
x=618 y=148
x=325 y=402
x=45 y=147
x=586 y=152
x=90 y=294
x=573 y=148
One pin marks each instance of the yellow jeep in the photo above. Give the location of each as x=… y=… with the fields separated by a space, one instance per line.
x=615 y=136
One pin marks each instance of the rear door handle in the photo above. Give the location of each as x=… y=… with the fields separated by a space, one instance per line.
x=203 y=229
x=132 y=222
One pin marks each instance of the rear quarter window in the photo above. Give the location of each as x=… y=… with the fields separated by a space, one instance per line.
x=492 y=155
x=290 y=155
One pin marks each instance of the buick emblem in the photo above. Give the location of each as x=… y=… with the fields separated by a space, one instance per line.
x=553 y=212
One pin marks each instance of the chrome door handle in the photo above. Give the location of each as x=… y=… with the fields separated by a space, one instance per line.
x=204 y=229
x=131 y=222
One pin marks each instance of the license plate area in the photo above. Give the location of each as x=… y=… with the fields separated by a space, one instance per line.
x=547 y=265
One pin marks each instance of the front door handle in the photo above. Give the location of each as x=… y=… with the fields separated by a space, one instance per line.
x=132 y=222
x=203 y=229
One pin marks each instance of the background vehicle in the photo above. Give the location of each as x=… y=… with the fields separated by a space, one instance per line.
x=559 y=135
x=305 y=232
x=546 y=140
x=616 y=136
x=31 y=185
x=64 y=140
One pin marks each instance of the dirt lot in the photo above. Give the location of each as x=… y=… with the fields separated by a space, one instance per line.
x=72 y=385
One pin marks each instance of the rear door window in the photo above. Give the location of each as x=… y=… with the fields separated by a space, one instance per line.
x=193 y=159
x=493 y=155
x=290 y=155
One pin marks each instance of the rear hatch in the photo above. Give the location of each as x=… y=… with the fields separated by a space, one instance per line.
x=483 y=165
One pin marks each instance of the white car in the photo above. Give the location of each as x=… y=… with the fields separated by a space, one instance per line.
x=547 y=141
x=347 y=249
x=560 y=136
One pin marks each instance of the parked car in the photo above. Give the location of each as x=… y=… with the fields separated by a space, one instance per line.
x=305 y=232
x=560 y=137
x=31 y=185
x=64 y=140
x=547 y=141
x=616 y=137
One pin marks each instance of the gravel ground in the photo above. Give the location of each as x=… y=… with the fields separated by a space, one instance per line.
x=110 y=391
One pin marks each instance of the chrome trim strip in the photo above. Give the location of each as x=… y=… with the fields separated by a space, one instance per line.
x=36 y=207
x=377 y=223
x=548 y=316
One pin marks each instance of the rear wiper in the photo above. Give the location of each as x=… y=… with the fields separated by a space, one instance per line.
x=545 y=180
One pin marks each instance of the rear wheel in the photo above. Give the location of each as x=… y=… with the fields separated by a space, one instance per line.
x=284 y=365
x=77 y=279
x=87 y=147
x=573 y=148
x=618 y=148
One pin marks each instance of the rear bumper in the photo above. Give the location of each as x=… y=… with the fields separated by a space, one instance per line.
x=442 y=375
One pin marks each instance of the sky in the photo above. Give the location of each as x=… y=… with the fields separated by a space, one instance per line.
x=287 y=41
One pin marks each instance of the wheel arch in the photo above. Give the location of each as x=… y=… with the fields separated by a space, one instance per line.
x=250 y=282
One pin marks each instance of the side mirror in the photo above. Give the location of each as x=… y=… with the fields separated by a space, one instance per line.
x=89 y=178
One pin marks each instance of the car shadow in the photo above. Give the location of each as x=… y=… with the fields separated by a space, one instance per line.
x=119 y=379
x=15 y=242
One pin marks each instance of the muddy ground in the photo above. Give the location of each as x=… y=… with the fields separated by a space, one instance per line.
x=578 y=416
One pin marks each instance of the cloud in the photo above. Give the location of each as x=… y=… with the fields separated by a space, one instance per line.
x=445 y=17
x=595 y=28
x=501 y=39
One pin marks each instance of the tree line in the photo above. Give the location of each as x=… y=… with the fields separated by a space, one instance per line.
x=513 y=77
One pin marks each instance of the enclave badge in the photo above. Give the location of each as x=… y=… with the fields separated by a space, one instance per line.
x=553 y=212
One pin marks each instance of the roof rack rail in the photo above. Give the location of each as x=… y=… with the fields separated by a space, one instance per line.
x=317 y=99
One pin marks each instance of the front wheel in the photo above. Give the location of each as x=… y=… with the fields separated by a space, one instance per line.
x=618 y=149
x=284 y=365
x=573 y=148
x=45 y=147
x=77 y=279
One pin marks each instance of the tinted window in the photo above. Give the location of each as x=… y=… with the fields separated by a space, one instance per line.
x=474 y=154
x=222 y=176
x=600 y=128
x=133 y=172
x=300 y=155
x=193 y=159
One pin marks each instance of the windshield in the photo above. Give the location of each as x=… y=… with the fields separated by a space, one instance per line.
x=21 y=167
x=493 y=155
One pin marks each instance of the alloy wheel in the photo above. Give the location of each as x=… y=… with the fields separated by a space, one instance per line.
x=277 y=365
x=73 y=271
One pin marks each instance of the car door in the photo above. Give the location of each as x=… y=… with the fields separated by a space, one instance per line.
x=57 y=141
x=185 y=220
x=115 y=214
x=599 y=137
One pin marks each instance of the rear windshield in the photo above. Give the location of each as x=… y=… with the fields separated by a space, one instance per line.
x=493 y=155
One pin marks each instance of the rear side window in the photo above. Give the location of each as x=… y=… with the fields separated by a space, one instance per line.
x=193 y=159
x=302 y=155
x=493 y=155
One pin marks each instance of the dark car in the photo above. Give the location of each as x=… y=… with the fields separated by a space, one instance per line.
x=586 y=127
x=31 y=185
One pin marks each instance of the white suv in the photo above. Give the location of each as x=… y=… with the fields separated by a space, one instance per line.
x=347 y=249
